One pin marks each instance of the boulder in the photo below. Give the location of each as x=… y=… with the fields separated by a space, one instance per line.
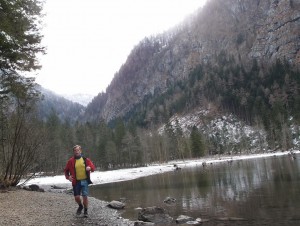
x=183 y=219
x=155 y=215
x=34 y=187
x=169 y=200
x=116 y=204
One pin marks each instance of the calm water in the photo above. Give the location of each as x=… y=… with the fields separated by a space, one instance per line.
x=261 y=191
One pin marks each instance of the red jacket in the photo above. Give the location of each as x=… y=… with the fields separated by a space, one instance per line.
x=70 y=169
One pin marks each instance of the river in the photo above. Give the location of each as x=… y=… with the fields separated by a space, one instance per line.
x=263 y=191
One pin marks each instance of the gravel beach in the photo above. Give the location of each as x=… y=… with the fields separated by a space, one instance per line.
x=21 y=207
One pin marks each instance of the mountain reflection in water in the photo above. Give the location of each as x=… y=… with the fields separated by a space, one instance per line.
x=259 y=191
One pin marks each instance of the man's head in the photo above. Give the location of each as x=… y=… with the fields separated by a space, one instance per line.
x=77 y=151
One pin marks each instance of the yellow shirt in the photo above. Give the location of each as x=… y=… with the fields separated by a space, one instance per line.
x=80 y=169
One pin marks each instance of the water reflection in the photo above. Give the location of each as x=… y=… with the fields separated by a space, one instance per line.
x=263 y=191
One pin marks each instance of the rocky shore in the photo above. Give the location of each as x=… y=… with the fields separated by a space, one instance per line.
x=21 y=207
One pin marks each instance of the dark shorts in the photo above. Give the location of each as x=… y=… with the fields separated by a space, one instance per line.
x=81 y=188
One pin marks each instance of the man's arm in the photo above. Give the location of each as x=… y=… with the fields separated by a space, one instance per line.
x=90 y=166
x=67 y=171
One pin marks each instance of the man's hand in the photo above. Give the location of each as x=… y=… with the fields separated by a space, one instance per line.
x=70 y=178
x=88 y=168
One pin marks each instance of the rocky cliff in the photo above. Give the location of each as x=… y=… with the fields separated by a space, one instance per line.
x=279 y=33
x=265 y=30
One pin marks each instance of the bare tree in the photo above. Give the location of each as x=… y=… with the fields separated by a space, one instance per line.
x=21 y=137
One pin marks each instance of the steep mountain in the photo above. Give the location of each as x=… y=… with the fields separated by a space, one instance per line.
x=53 y=104
x=261 y=30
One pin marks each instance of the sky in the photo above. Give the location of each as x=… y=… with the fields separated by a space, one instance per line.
x=110 y=176
x=87 y=41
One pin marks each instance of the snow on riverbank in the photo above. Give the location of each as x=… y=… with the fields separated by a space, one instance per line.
x=102 y=177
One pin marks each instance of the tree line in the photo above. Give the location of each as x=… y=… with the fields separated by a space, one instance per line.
x=120 y=146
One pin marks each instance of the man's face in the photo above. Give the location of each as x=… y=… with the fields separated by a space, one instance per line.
x=77 y=152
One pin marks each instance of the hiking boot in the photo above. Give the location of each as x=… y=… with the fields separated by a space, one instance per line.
x=79 y=210
x=85 y=214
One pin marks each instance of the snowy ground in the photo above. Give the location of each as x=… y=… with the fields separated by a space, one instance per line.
x=102 y=177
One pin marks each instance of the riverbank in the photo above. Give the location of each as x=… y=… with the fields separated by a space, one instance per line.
x=24 y=208
x=110 y=176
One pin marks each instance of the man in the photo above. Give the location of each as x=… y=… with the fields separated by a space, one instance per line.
x=77 y=171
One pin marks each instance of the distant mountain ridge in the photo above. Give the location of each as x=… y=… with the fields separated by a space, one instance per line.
x=265 y=30
x=81 y=98
x=52 y=104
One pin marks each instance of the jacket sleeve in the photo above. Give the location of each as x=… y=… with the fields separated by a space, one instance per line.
x=90 y=164
x=67 y=170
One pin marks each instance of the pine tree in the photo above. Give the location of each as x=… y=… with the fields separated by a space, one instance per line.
x=197 y=145
x=20 y=35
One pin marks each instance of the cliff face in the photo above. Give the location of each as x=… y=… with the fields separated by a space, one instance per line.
x=279 y=35
x=262 y=29
x=265 y=30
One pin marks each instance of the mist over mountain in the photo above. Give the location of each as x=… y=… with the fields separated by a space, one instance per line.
x=53 y=105
x=81 y=98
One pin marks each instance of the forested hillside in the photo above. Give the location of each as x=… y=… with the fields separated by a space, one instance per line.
x=265 y=31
